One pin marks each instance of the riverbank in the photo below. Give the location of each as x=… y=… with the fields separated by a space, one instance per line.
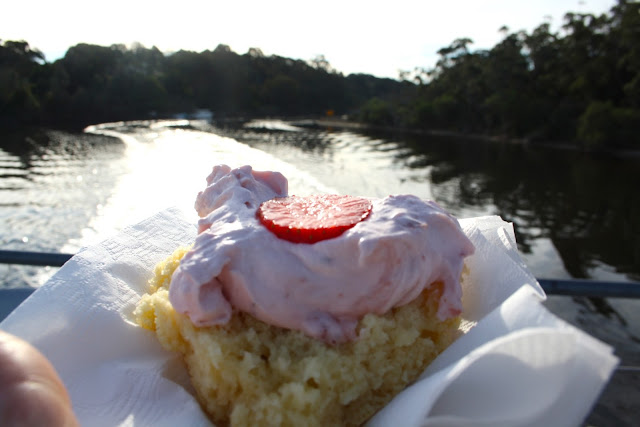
x=502 y=139
x=358 y=126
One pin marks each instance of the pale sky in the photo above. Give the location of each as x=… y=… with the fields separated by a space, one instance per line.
x=371 y=37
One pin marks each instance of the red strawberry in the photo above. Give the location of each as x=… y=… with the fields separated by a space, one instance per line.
x=313 y=218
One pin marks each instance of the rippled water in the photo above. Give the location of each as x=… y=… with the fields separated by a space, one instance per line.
x=575 y=214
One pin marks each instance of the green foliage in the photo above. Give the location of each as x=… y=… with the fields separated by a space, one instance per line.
x=603 y=125
x=579 y=84
x=597 y=124
x=377 y=112
x=97 y=83
x=19 y=66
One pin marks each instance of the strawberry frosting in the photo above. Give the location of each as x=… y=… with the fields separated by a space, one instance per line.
x=321 y=289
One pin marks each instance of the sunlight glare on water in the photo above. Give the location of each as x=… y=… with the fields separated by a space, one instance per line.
x=169 y=169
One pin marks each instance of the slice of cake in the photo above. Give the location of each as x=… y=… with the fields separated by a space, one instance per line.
x=276 y=329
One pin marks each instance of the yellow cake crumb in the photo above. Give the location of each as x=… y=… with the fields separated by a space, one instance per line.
x=248 y=373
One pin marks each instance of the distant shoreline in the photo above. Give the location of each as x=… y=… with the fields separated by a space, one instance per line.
x=351 y=125
x=337 y=123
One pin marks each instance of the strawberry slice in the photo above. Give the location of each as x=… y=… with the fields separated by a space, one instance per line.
x=313 y=218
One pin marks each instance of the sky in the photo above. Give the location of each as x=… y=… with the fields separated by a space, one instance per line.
x=373 y=37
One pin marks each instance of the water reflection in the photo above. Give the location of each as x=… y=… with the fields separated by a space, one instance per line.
x=586 y=205
x=576 y=214
x=51 y=184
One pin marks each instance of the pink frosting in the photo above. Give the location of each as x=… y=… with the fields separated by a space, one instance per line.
x=322 y=289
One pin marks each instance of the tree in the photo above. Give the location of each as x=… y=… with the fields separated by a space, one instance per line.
x=19 y=65
x=321 y=63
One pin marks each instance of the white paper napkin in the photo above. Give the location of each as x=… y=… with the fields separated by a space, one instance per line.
x=516 y=365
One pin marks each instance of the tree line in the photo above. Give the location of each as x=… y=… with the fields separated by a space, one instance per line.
x=578 y=84
x=97 y=83
x=581 y=83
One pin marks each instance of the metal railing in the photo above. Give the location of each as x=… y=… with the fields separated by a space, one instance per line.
x=569 y=287
x=34 y=258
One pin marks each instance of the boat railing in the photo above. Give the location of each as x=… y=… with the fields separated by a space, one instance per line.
x=568 y=287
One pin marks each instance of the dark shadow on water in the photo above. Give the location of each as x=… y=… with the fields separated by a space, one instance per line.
x=308 y=140
x=29 y=144
x=586 y=204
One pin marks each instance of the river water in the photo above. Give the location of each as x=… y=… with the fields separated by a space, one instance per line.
x=575 y=214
